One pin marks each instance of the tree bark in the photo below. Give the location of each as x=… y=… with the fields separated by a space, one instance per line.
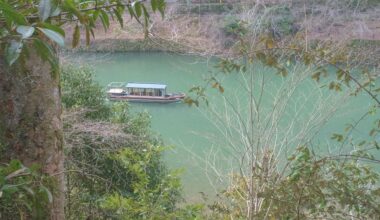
x=30 y=120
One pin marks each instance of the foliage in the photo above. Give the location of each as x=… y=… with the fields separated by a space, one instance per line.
x=24 y=192
x=79 y=90
x=38 y=24
x=314 y=187
x=114 y=162
x=281 y=22
x=352 y=4
x=153 y=192
x=234 y=27
x=205 y=7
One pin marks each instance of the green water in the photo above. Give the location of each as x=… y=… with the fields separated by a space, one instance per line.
x=190 y=130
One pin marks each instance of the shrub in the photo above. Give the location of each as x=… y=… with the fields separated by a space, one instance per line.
x=24 y=192
x=113 y=160
x=234 y=27
x=79 y=90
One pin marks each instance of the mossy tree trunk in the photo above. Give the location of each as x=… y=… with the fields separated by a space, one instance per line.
x=30 y=120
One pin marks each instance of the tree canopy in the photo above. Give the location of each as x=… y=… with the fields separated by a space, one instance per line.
x=28 y=23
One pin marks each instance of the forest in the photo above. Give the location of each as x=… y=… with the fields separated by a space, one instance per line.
x=279 y=121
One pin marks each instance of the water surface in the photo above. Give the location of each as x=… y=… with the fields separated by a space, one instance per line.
x=192 y=132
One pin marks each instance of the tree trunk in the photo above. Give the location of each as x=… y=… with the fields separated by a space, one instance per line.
x=30 y=120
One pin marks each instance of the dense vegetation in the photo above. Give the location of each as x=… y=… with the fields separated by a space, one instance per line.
x=113 y=167
x=113 y=161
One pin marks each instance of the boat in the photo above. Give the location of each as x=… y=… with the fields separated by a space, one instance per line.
x=141 y=92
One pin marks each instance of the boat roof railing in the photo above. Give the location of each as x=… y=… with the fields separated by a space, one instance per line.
x=136 y=85
x=146 y=85
x=116 y=85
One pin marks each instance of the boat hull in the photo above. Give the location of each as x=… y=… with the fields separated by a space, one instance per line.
x=148 y=99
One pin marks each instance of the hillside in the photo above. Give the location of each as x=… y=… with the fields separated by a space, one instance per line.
x=206 y=27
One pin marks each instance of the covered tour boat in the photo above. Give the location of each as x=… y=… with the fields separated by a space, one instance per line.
x=141 y=92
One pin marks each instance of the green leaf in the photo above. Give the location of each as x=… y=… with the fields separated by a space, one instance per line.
x=377 y=145
x=146 y=20
x=316 y=76
x=340 y=73
x=25 y=31
x=332 y=85
x=137 y=7
x=221 y=89
x=154 y=5
x=52 y=27
x=3 y=32
x=29 y=190
x=54 y=36
x=88 y=31
x=105 y=20
x=7 y=187
x=43 y=49
x=119 y=17
x=44 y=9
x=70 y=6
x=161 y=5
x=55 y=12
x=95 y=15
x=337 y=137
x=76 y=36
x=46 y=52
x=11 y=14
x=13 y=51
x=131 y=12
x=47 y=192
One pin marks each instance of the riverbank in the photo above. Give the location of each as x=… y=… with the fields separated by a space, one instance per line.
x=131 y=45
x=211 y=31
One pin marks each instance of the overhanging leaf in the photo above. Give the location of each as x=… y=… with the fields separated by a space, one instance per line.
x=55 y=12
x=55 y=28
x=105 y=20
x=11 y=14
x=25 y=31
x=131 y=12
x=46 y=52
x=137 y=7
x=47 y=192
x=70 y=7
x=76 y=36
x=88 y=35
x=161 y=7
x=119 y=17
x=13 y=51
x=54 y=36
x=154 y=5
x=44 y=9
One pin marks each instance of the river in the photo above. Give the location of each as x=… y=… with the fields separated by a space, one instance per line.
x=195 y=135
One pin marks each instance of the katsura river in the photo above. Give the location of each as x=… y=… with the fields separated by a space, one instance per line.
x=194 y=135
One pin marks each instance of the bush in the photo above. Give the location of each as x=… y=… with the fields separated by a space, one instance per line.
x=24 y=192
x=312 y=188
x=114 y=161
x=234 y=27
x=79 y=90
x=281 y=22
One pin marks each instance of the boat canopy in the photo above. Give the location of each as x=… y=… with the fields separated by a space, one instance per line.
x=116 y=90
x=146 y=85
x=116 y=85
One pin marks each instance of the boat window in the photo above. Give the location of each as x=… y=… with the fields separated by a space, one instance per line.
x=149 y=92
